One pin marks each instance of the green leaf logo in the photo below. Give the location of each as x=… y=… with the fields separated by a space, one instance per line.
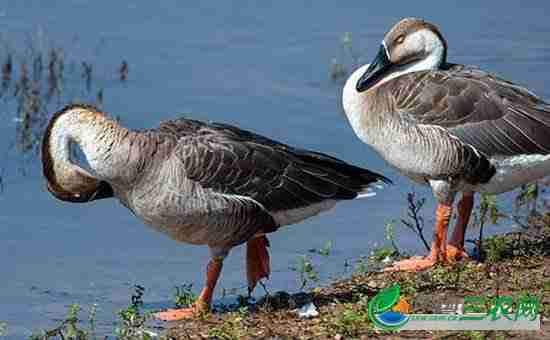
x=386 y=299
x=379 y=309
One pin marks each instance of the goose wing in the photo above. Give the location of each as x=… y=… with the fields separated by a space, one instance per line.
x=234 y=161
x=495 y=116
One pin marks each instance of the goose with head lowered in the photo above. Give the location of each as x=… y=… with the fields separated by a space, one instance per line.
x=197 y=182
x=455 y=128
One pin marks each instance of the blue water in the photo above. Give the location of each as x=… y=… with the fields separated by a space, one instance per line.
x=264 y=67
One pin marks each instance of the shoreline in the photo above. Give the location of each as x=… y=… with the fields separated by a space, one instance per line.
x=516 y=264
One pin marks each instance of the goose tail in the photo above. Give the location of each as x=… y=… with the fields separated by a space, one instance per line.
x=354 y=181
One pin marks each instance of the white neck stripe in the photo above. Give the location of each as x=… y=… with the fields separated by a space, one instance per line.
x=386 y=49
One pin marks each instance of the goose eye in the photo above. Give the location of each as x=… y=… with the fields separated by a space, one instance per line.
x=400 y=39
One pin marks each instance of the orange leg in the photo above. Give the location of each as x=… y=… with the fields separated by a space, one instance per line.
x=455 y=248
x=438 y=253
x=257 y=261
x=202 y=304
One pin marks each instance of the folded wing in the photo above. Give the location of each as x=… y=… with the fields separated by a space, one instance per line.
x=237 y=162
x=494 y=116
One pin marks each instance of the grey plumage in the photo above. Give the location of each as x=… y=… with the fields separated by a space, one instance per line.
x=201 y=183
x=446 y=122
x=209 y=183
x=252 y=177
x=495 y=116
x=453 y=127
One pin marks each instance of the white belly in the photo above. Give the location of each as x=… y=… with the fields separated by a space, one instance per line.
x=515 y=171
x=286 y=217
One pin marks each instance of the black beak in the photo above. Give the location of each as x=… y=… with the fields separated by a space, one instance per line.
x=104 y=190
x=376 y=70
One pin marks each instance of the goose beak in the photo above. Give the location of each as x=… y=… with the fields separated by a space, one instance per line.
x=376 y=70
x=104 y=190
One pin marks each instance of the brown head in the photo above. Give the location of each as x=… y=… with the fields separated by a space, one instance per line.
x=66 y=180
x=411 y=45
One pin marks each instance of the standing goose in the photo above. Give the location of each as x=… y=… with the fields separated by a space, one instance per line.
x=453 y=127
x=200 y=183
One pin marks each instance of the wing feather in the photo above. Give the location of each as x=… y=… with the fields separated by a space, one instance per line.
x=238 y=162
x=495 y=116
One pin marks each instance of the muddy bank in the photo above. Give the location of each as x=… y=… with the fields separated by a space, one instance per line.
x=515 y=264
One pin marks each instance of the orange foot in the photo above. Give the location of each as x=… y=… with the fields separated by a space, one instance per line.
x=182 y=313
x=416 y=263
x=455 y=254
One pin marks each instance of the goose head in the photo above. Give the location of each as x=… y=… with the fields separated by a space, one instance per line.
x=66 y=180
x=411 y=45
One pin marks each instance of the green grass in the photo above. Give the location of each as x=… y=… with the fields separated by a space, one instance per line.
x=307 y=274
x=133 y=318
x=184 y=296
x=3 y=328
x=352 y=320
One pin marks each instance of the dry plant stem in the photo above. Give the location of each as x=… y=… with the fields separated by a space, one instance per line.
x=418 y=227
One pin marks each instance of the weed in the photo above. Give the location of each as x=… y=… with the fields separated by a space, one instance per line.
x=222 y=333
x=474 y=335
x=326 y=250
x=380 y=254
x=338 y=69
x=3 y=328
x=306 y=271
x=69 y=328
x=390 y=236
x=184 y=296
x=92 y=319
x=496 y=248
x=408 y=288
x=361 y=266
x=347 y=44
x=545 y=310
x=439 y=276
x=32 y=84
x=72 y=330
x=87 y=70
x=7 y=69
x=488 y=211
x=415 y=221
x=528 y=195
x=526 y=204
x=352 y=320
x=229 y=330
x=243 y=311
x=133 y=319
x=123 y=71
